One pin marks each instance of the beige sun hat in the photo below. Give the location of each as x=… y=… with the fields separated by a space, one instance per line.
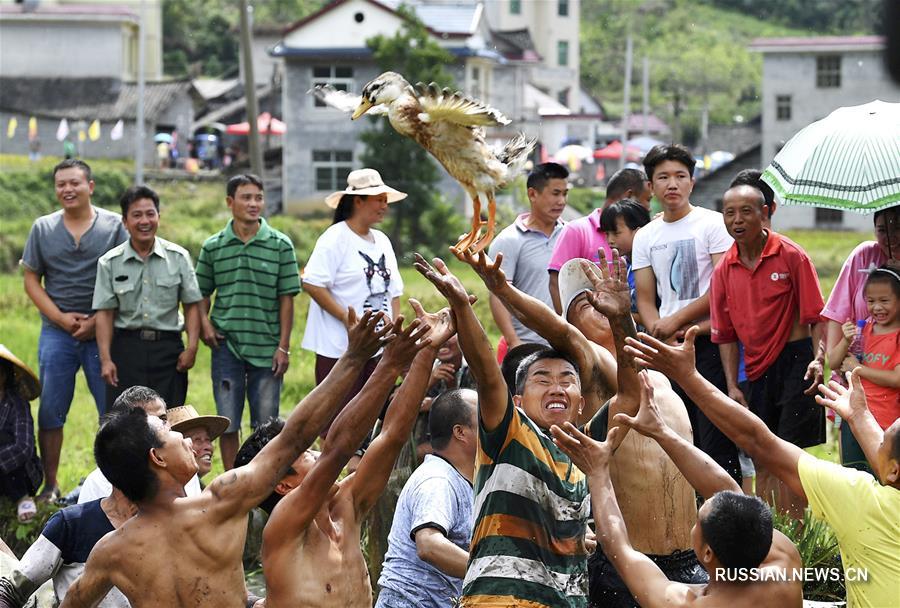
x=186 y=418
x=572 y=283
x=26 y=380
x=364 y=182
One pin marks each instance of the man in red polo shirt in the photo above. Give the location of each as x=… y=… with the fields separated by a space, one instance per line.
x=765 y=293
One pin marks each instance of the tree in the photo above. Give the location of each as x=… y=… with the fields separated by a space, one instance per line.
x=424 y=220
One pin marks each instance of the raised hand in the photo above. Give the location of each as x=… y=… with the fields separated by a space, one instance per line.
x=676 y=362
x=649 y=421
x=364 y=338
x=407 y=342
x=441 y=277
x=612 y=295
x=441 y=322
x=587 y=454
x=490 y=272
x=845 y=401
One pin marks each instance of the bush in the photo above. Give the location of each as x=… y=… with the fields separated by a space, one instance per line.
x=818 y=547
x=21 y=536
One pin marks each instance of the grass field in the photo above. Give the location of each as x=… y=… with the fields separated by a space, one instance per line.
x=20 y=327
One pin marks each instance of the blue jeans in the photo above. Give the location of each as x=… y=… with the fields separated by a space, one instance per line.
x=388 y=598
x=234 y=380
x=60 y=355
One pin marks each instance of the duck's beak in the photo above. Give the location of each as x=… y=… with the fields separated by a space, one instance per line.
x=363 y=107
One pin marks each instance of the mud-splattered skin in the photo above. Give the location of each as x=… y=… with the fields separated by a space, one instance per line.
x=323 y=566
x=181 y=556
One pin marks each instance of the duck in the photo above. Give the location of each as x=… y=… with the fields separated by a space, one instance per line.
x=451 y=127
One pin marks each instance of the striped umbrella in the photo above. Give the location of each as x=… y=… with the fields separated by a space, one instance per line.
x=849 y=160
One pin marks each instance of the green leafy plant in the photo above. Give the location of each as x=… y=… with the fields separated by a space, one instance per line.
x=818 y=547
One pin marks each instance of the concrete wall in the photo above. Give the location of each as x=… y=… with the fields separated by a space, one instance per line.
x=863 y=79
x=51 y=50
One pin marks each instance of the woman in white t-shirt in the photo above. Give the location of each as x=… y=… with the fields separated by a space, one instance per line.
x=354 y=265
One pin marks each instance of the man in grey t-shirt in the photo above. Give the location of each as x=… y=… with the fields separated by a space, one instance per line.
x=527 y=245
x=60 y=267
x=428 y=547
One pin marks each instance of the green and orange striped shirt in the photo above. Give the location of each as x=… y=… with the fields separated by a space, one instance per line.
x=531 y=510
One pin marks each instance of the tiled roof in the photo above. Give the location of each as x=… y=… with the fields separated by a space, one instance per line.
x=86 y=98
x=515 y=44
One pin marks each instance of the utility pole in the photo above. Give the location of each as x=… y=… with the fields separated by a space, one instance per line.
x=646 y=105
x=256 y=160
x=626 y=101
x=139 y=119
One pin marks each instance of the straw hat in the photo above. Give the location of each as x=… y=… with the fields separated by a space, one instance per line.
x=364 y=182
x=27 y=382
x=186 y=418
x=572 y=283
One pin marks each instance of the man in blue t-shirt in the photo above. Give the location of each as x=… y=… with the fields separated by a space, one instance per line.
x=428 y=547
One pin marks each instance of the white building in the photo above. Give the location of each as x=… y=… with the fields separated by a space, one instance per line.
x=804 y=80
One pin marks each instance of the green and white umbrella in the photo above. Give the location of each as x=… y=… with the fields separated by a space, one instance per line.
x=849 y=160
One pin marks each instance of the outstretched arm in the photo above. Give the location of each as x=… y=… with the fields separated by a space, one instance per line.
x=740 y=425
x=850 y=405
x=701 y=471
x=375 y=467
x=296 y=510
x=94 y=583
x=612 y=298
x=647 y=583
x=239 y=490
x=493 y=395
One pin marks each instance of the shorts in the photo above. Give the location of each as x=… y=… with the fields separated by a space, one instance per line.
x=852 y=454
x=777 y=397
x=60 y=356
x=234 y=380
x=608 y=590
x=388 y=598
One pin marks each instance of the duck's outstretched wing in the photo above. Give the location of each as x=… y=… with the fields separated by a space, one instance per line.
x=342 y=100
x=452 y=106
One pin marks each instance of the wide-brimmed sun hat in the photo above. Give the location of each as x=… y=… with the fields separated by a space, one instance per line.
x=572 y=283
x=27 y=382
x=186 y=418
x=364 y=182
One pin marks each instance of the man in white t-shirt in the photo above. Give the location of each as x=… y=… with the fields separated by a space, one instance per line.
x=673 y=259
x=96 y=485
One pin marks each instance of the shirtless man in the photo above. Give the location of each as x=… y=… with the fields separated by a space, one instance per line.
x=186 y=552
x=311 y=544
x=733 y=537
x=640 y=469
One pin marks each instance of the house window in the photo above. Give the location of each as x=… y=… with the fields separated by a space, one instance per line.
x=829 y=218
x=476 y=83
x=828 y=71
x=331 y=168
x=515 y=7
x=562 y=52
x=340 y=77
x=562 y=8
x=782 y=107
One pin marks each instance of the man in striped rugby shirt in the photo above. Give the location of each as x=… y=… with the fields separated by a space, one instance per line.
x=531 y=502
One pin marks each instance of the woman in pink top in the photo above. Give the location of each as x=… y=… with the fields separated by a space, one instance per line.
x=847 y=302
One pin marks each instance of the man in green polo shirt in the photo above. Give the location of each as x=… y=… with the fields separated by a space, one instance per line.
x=252 y=268
x=136 y=295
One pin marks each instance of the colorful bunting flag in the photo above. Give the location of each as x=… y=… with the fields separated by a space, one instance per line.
x=82 y=135
x=62 y=131
x=94 y=130
x=32 y=129
x=117 y=131
x=11 y=127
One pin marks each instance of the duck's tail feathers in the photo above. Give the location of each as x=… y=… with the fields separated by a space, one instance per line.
x=515 y=154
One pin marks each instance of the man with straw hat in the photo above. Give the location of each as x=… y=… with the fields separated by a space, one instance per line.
x=20 y=467
x=352 y=264
x=201 y=430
